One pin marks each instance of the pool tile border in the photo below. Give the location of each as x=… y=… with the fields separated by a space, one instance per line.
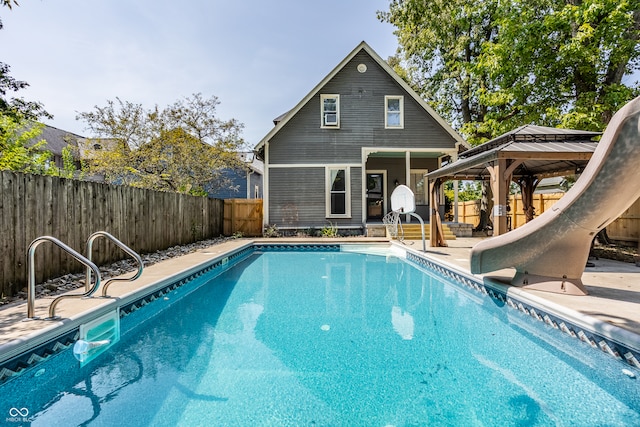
x=19 y=364
x=609 y=346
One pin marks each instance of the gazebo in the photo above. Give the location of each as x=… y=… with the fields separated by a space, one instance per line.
x=525 y=156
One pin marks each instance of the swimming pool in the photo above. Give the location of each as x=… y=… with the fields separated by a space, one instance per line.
x=328 y=337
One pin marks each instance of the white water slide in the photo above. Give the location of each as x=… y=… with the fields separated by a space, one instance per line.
x=550 y=253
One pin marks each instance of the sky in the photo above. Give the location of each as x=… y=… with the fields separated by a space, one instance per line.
x=260 y=58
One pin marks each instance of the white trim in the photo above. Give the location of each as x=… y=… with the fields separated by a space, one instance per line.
x=386 y=111
x=407 y=168
x=366 y=151
x=323 y=122
x=363 y=190
x=327 y=190
x=249 y=184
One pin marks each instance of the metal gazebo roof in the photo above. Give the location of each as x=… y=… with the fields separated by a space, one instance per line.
x=540 y=151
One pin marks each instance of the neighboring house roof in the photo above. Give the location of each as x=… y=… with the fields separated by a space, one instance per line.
x=550 y=185
x=57 y=139
x=282 y=120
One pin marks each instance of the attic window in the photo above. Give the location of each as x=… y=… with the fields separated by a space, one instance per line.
x=330 y=111
x=97 y=147
x=394 y=112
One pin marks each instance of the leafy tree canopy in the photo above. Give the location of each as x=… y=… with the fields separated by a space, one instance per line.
x=17 y=152
x=184 y=147
x=491 y=66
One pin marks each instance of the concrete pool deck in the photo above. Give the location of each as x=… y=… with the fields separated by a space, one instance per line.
x=614 y=290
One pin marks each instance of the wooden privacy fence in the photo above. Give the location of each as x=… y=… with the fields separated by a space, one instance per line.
x=243 y=216
x=146 y=221
x=625 y=228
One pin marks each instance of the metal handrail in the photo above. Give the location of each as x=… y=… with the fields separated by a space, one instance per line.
x=122 y=246
x=415 y=215
x=31 y=289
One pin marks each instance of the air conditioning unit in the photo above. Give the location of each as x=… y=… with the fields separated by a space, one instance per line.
x=331 y=119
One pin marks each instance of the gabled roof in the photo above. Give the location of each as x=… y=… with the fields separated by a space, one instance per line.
x=282 y=120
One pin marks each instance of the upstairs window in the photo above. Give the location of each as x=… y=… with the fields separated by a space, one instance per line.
x=330 y=110
x=394 y=112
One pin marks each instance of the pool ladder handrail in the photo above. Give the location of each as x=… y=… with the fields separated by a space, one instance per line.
x=31 y=288
x=122 y=246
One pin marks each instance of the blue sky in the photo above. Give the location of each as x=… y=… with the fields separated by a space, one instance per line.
x=258 y=57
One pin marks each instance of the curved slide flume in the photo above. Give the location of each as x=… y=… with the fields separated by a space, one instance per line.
x=550 y=252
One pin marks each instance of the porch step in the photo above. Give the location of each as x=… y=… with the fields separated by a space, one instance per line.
x=412 y=232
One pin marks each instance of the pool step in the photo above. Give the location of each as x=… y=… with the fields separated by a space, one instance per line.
x=412 y=232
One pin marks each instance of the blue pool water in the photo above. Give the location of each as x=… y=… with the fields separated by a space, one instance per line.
x=329 y=339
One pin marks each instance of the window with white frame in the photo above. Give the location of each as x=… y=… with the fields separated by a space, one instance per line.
x=394 y=112
x=338 y=192
x=418 y=184
x=330 y=111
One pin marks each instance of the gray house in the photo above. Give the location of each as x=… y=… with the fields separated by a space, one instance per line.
x=338 y=154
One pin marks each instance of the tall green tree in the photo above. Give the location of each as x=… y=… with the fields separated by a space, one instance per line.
x=491 y=66
x=562 y=62
x=184 y=147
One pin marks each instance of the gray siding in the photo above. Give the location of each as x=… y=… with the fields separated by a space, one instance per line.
x=297 y=198
x=301 y=140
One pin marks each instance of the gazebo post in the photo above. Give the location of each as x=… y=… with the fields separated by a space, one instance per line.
x=499 y=187
x=528 y=185
x=436 y=237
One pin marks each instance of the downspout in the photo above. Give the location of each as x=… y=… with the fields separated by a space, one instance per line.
x=407 y=174
x=265 y=187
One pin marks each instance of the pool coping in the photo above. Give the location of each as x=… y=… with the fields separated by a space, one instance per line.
x=27 y=351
